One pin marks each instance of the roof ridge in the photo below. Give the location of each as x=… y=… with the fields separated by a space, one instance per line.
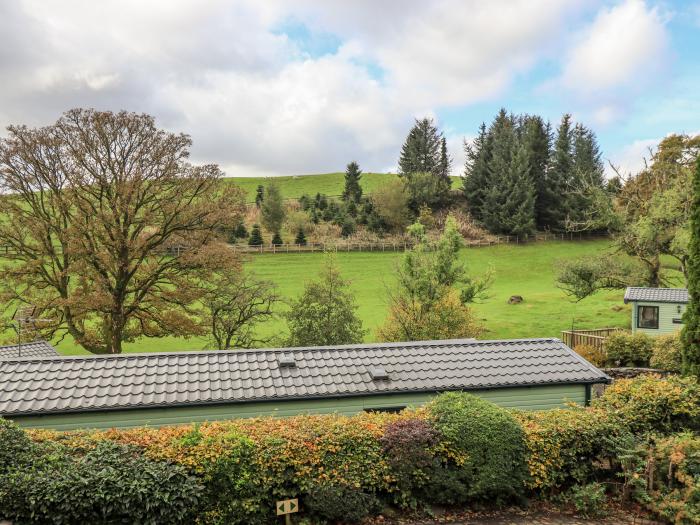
x=440 y=343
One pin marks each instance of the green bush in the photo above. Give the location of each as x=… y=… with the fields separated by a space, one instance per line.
x=589 y=500
x=653 y=404
x=568 y=446
x=666 y=353
x=488 y=448
x=107 y=484
x=15 y=445
x=626 y=349
x=341 y=503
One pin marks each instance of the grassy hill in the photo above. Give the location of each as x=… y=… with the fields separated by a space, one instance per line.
x=294 y=186
x=527 y=270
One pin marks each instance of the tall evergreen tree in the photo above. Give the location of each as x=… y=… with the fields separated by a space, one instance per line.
x=476 y=174
x=536 y=138
x=259 y=195
x=353 y=190
x=421 y=150
x=559 y=176
x=445 y=165
x=691 y=328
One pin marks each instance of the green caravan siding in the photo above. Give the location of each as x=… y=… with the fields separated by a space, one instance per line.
x=667 y=313
x=526 y=398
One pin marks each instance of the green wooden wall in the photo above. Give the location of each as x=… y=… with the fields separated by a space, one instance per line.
x=667 y=313
x=528 y=398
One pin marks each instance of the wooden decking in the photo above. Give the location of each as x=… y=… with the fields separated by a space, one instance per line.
x=595 y=338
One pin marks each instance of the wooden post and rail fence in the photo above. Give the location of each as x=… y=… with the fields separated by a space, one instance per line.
x=595 y=338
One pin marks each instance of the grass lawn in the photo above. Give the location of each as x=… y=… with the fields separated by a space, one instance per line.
x=526 y=270
x=294 y=186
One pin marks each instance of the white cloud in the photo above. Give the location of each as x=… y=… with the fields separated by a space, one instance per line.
x=624 y=46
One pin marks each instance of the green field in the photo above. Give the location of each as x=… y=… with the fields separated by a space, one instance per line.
x=294 y=186
x=526 y=270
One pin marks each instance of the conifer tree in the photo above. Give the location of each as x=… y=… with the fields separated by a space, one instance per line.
x=445 y=165
x=421 y=150
x=536 y=137
x=277 y=239
x=259 y=195
x=300 y=238
x=353 y=190
x=476 y=175
x=690 y=335
x=559 y=176
x=256 y=238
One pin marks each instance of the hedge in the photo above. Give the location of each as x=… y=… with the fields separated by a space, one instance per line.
x=459 y=449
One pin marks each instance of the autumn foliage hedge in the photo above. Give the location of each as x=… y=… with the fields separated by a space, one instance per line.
x=457 y=450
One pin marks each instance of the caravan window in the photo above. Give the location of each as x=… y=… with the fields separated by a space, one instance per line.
x=648 y=317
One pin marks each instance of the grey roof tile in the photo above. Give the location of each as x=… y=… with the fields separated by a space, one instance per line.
x=35 y=349
x=54 y=385
x=657 y=295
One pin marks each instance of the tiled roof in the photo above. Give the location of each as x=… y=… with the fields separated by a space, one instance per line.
x=657 y=295
x=35 y=349
x=29 y=386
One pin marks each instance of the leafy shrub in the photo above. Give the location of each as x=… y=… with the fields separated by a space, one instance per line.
x=666 y=353
x=589 y=500
x=626 y=349
x=409 y=446
x=674 y=493
x=649 y=403
x=487 y=448
x=15 y=445
x=341 y=503
x=591 y=354
x=565 y=445
x=109 y=483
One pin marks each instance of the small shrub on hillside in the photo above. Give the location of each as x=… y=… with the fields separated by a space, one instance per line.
x=652 y=404
x=108 y=484
x=341 y=503
x=589 y=500
x=626 y=349
x=277 y=240
x=666 y=353
x=256 y=238
x=487 y=449
x=410 y=449
x=592 y=354
x=300 y=238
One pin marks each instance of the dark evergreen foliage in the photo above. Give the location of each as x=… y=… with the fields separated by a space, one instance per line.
x=512 y=170
x=277 y=239
x=691 y=327
x=241 y=232
x=347 y=228
x=259 y=195
x=353 y=190
x=256 y=238
x=300 y=238
x=421 y=151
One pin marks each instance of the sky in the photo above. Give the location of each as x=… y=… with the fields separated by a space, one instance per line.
x=283 y=87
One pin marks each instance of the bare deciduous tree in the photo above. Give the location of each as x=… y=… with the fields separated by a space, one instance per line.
x=107 y=227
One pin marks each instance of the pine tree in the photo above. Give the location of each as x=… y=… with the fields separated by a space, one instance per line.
x=445 y=163
x=277 y=239
x=421 y=150
x=587 y=172
x=503 y=144
x=259 y=195
x=690 y=335
x=353 y=190
x=256 y=238
x=476 y=175
x=536 y=137
x=554 y=208
x=300 y=238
